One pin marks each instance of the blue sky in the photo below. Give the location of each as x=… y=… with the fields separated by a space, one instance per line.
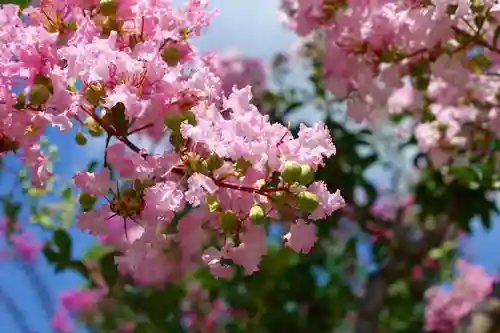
x=250 y=27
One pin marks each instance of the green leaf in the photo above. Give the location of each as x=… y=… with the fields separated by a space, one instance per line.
x=63 y=242
x=21 y=3
x=50 y=254
x=108 y=268
x=97 y=251
x=11 y=209
x=496 y=35
x=92 y=166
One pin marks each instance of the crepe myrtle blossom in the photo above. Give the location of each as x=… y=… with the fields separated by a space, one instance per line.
x=434 y=61
x=232 y=173
x=229 y=172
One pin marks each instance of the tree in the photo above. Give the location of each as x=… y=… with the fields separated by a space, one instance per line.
x=243 y=223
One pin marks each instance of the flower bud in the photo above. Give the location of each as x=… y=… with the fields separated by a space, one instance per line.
x=86 y=201
x=81 y=139
x=108 y=7
x=241 y=166
x=306 y=174
x=213 y=162
x=20 y=101
x=93 y=126
x=291 y=172
x=39 y=94
x=212 y=203
x=307 y=201
x=141 y=185
x=229 y=221
x=257 y=214
x=94 y=93
x=171 y=56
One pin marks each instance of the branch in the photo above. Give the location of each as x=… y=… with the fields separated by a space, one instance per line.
x=406 y=254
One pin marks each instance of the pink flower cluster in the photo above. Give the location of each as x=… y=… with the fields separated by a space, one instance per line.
x=21 y=242
x=230 y=168
x=79 y=302
x=435 y=60
x=445 y=308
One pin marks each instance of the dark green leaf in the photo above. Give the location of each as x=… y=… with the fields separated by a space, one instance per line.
x=108 y=268
x=63 y=242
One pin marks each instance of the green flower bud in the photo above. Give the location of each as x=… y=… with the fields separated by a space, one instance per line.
x=306 y=174
x=229 y=221
x=108 y=7
x=86 y=201
x=213 y=162
x=291 y=172
x=171 y=56
x=241 y=166
x=93 y=126
x=94 y=93
x=257 y=214
x=141 y=185
x=212 y=203
x=20 y=101
x=39 y=94
x=81 y=139
x=307 y=201
x=195 y=164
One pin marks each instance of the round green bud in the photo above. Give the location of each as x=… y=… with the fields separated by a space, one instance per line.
x=20 y=101
x=257 y=214
x=39 y=94
x=306 y=174
x=94 y=94
x=214 y=162
x=307 y=201
x=171 y=56
x=86 y=201
x=291 y=172
x=93 y=126
x=108 y=7
x=81 y=139
x=229 y=221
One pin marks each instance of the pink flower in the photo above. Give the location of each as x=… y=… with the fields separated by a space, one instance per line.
x=60 y=322
x=26 y=246
x=80 y=300
x=97 y=184
x=301 y=237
